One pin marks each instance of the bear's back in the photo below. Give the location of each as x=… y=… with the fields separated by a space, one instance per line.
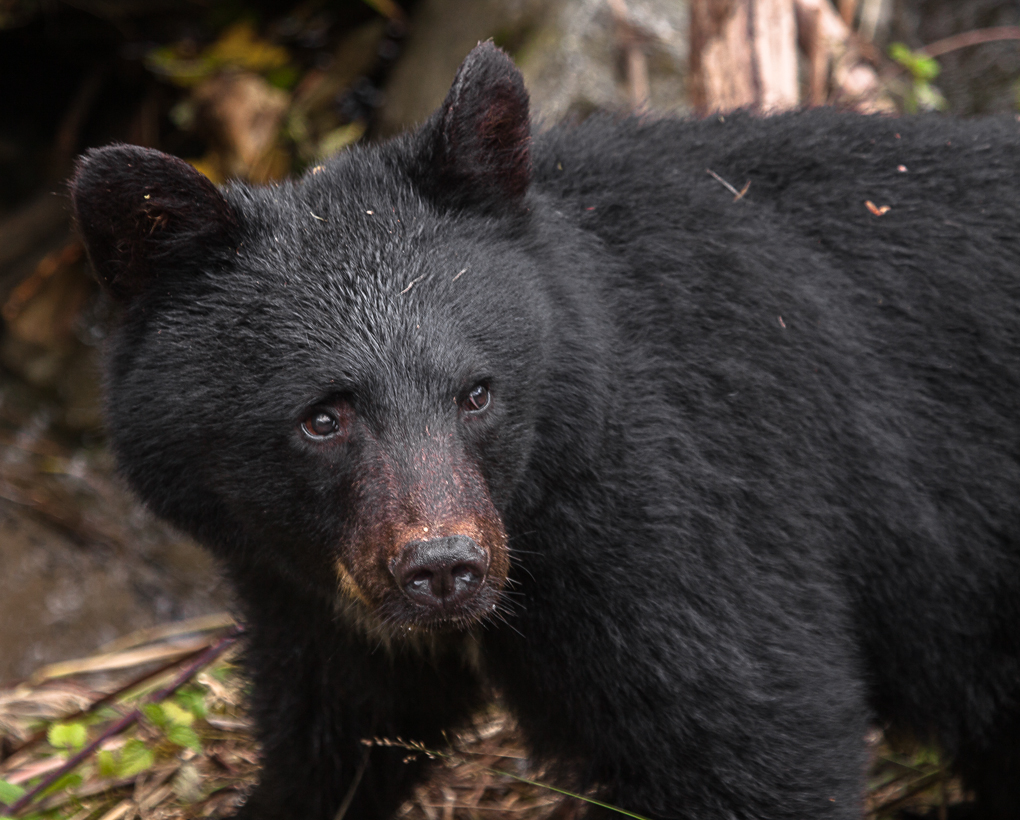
x=840 y=340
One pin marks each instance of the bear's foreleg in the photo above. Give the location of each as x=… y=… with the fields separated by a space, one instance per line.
x=321 y=690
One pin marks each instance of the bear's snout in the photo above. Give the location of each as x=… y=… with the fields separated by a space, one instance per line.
x=441 y=573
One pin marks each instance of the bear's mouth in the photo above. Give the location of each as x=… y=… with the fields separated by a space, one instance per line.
x=403 y=612
x=398 y=617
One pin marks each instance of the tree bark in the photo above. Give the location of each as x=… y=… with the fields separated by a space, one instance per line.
x=743 y=55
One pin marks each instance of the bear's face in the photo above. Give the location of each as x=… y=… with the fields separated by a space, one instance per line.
x=331 y=379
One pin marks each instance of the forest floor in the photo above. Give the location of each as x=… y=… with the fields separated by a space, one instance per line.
x=153 y=726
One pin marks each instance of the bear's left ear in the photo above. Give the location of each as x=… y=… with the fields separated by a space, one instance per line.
x=474 y=150
x=145 y=215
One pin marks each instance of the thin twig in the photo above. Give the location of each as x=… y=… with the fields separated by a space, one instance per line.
x=919 y=785
x=737 y=195
x=719 y=179
x=127 y=659
x=200 y=624
x=69 y=131
x=971 y=38
x=411 y=284
x=848 y=10
x=345 y=804
x=188 y=626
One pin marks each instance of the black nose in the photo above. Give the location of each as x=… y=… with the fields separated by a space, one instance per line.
x=440 y=572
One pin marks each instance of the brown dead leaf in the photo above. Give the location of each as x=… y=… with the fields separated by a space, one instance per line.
x=243 y=114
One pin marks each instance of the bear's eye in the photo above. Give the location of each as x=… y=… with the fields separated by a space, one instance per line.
x=476 y=400
x=320 y=424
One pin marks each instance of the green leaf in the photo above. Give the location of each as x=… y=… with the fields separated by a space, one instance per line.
x=929 y=98
x=135 y=758
x=184 y=114
x=926 y=68
x=154 y=712
x=67 y=735
x=900 y=52
x=194 y=701
x=106 y=763
x=927 y=756
x=175 y=715
x=9 y=793
x=921 y=66
x=106 y=714
x=68 y=781
x=340 y=138
x=284 y=77
x=184 y=736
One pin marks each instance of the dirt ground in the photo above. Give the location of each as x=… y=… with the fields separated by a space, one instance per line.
x=82 y=562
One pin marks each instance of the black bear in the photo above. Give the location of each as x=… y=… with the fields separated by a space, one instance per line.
x=702 y=485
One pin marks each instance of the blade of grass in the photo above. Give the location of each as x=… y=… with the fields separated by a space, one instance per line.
x=418 y=747
x=576 y=796
x=204 y=623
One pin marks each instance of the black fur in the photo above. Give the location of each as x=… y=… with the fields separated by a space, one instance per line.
x=143 y=212
x=757 y=460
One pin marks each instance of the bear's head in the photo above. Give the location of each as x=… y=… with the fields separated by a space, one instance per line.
x=332 y=381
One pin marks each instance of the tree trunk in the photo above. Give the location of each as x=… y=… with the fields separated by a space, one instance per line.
x=743 y=55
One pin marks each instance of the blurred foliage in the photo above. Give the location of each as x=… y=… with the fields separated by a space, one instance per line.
x=152 y=73
x=242 y=89
x=238 y=46
x=265 y=112
x=920 y=95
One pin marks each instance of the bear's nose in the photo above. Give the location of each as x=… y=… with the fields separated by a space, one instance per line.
x=440 y=572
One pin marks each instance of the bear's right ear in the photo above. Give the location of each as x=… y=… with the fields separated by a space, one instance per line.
x=475 y=151
x=142 y=213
